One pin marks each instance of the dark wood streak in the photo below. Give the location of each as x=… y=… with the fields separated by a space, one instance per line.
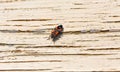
x=16 y=31
x=31 y=20
x=114 y=16
x=50 y=46
x=78 y=3
x=24 y=31
x=31 y=61
x=11 y=51
x=105 y=49
x=27 y=8
x=77 y=8
x=111 y=22
x=87 y=40
x=25 y=69
x=55 y=54
x=10 y=1
x=113 y=58
x=4 y=44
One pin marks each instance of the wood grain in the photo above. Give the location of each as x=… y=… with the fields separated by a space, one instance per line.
x=90 y=42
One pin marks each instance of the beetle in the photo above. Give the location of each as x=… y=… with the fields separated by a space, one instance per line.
x=56 y=33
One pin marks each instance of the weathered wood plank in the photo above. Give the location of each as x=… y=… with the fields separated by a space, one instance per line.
x=90 y=42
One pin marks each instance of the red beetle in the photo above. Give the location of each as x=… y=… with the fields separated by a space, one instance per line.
x=56 y=33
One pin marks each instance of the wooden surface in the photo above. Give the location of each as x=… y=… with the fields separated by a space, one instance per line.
x=91 y=40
